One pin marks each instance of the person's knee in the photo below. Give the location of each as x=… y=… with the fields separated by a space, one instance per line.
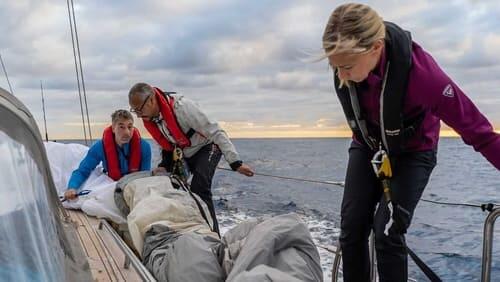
x=353 y=230
x=394 y=241
x=201 y=189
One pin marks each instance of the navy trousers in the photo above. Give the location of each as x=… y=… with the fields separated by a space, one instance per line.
x=203 y=165
x=364 y=209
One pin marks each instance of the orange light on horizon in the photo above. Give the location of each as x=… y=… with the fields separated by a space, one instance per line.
x=261 y=131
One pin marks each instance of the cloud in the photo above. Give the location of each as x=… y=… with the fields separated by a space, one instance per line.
x=329 y=123
x=247 y=63
x=286 y=126
x=289 y=80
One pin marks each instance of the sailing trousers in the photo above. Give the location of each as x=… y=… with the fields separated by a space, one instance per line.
x=360 y=214
x=203 y=165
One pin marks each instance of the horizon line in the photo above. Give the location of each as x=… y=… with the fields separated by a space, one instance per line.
x=263 y=137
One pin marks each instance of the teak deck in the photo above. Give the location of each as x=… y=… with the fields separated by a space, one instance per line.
x=105 y=258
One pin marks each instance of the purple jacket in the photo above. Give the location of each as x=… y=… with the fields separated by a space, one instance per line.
x=431 y=90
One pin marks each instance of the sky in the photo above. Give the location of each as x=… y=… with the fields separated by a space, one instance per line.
x=251 y=65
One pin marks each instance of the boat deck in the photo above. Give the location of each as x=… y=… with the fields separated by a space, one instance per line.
x=106 y=259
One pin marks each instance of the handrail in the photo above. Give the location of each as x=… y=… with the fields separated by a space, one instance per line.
x=336 y=264
x=130 y=257
x=489 y=224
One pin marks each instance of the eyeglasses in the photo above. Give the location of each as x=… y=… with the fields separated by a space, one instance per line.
x=139 y=111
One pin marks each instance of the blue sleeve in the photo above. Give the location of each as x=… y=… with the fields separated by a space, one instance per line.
x=145 y=155
x=94 y=156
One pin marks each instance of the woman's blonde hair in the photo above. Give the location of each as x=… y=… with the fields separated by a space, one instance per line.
x=352 y=28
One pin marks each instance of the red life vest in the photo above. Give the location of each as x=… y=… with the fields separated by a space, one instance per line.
x=110 y=151
x=166 y=105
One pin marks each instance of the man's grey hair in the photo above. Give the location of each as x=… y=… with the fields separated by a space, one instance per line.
x=121 y=115
x=140 y=89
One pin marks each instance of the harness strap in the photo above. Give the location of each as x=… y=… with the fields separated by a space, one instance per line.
x=359 y=120
x=186 y=188
x=167 y=95
x=425 y=269
x=382 y=167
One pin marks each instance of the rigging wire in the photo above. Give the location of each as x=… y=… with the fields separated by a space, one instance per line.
x=43 y=108
x=77 y=73
x=6 y=75
x=81 y=72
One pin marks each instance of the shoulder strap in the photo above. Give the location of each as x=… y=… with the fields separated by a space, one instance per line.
x=134 y=162
x=109 y=146
x=168 y=97
x=348 y=98
x=399 y=50
x=370 y=141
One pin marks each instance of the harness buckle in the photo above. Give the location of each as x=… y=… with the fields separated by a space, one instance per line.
x=382 y=165
x=179 y=166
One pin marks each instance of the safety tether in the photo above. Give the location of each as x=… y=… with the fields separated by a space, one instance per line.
x=382 y=167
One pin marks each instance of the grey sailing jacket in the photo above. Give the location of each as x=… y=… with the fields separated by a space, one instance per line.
x=189 y=115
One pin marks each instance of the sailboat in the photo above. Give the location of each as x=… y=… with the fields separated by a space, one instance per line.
x=31 y=217
x=39 y=239
x=42 y=241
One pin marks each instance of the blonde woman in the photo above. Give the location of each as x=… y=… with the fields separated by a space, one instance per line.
x=394 y=95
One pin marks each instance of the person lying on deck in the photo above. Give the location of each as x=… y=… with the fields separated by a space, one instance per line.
x=121 y=151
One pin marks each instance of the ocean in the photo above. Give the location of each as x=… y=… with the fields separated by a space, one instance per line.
x=447 y=238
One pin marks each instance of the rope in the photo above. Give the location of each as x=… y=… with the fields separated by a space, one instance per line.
x=483 y=207
x=337 y=183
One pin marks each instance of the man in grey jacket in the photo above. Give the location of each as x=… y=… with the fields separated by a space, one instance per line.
x=183 y=130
